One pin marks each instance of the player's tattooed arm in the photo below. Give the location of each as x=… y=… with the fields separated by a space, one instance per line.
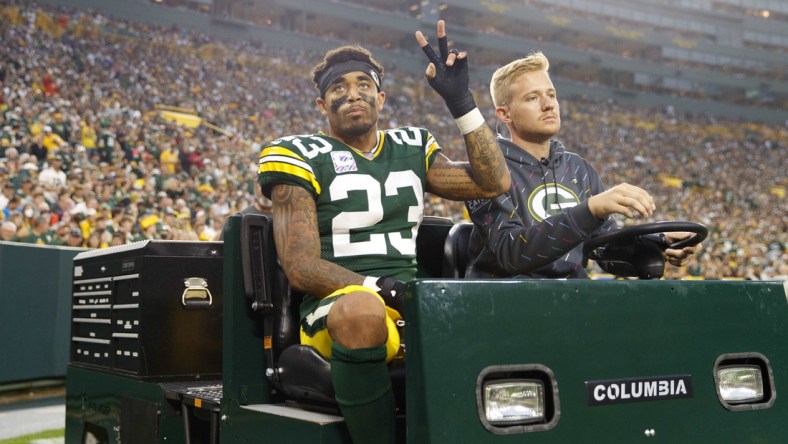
x=298 y=244
x=484 y=176
x=488 y=165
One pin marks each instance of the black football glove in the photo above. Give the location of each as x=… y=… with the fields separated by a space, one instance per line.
x=451 y=82
x=393 y=293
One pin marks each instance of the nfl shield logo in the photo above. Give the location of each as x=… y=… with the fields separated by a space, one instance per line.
x=343 y=162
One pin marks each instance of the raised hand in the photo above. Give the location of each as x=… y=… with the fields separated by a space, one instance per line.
x=447 y=73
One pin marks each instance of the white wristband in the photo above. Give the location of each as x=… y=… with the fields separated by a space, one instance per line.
x=371 y=283
x=470 y=121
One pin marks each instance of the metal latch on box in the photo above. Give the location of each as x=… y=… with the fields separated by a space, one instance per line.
x=196 y=294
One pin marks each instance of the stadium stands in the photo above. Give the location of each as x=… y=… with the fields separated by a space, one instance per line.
x=135 y=169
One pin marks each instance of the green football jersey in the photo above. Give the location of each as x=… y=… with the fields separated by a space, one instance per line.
x=368 y=209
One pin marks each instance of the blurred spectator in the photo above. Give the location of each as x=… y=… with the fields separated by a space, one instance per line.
x=50 y=140
x=74 y=238
x=39 y=233
x=6 y=194
x=261 y=204
x=8 y=231
x=52 y=177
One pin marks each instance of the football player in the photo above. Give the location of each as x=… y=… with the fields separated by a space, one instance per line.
x=347 y=205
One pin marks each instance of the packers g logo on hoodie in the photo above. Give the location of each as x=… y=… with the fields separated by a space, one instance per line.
x=549 y=200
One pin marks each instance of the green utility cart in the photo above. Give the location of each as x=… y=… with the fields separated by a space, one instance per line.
x=488 y=361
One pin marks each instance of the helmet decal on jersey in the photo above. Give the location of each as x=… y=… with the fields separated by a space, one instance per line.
x=343 y=162
x=549 y=200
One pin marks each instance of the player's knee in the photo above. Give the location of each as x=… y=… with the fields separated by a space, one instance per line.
x=358 y=320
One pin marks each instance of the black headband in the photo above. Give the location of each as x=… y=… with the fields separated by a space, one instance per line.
x=340 y=69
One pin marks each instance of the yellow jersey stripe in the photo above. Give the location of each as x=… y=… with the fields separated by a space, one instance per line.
x=281 y=160
x=274 y=166
x=431 y=147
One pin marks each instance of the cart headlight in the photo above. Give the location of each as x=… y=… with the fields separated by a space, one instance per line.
x=744 y=381
x=509 y=402
x=517 y=398
x=740 y=384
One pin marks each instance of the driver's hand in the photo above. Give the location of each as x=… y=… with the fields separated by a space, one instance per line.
x=625 y=199
x=680 y=257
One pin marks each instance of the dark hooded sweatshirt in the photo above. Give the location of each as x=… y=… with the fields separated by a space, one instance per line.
x=536 y=230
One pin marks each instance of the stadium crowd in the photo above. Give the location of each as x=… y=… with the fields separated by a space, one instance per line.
x=99 y=145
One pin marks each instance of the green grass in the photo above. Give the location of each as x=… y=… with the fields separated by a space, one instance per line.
x=27 y=439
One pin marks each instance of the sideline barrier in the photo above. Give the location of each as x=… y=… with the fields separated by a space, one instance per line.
x=35 y=310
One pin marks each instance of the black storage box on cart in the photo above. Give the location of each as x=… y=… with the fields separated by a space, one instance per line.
x=150 y=309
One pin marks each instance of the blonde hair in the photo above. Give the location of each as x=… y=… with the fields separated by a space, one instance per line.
x=505 y=75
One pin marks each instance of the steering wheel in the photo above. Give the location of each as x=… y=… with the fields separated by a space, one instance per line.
x=629 y=252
